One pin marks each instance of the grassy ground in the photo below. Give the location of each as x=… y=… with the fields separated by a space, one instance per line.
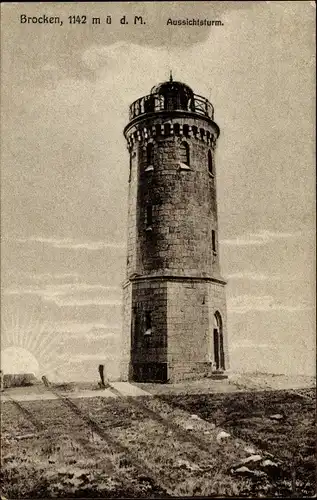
x=158 y=446
x=247 y=415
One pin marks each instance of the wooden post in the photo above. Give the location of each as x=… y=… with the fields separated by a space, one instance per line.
x=45 y=381
x=101 y=373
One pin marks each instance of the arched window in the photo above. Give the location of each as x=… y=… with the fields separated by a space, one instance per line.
x=149 y=154
x=184 y=154
x=210 y=163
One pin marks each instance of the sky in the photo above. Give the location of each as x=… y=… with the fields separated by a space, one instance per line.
x=65 y=97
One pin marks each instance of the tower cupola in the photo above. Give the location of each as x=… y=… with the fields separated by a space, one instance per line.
x=171 y=96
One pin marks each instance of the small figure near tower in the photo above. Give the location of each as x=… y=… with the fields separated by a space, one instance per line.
x=174 y=295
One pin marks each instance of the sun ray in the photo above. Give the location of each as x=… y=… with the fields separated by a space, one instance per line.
x=14 y=328
x=36 y=336
x=47 y=338
x=37 y=329
x=50 y=339
x=17 y=327
x=8 y=332
x=32 y=327
x=33 y=317
x=4 y=331
x=22 y=330
x=19 y=323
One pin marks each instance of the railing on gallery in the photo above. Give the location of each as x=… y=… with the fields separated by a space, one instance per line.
x=157 y=102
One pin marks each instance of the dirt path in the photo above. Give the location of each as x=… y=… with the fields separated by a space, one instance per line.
x=42 y=394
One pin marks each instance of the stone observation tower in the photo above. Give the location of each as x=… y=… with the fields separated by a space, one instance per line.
x=174 y=296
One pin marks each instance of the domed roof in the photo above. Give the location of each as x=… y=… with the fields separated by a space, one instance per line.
x=172 y=87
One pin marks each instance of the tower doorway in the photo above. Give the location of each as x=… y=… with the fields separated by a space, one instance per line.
x=219 y=356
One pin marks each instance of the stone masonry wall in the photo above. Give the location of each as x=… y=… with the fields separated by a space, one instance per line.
x=188 y=323
x=184 y=209
x=191 y=309
x=149 y=297
x=184 y=213
x=132 y=210
x=171 y=262
x=217 y=303
x=126 y=332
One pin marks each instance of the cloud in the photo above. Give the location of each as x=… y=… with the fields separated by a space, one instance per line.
x=81 y=358
x=37 y=64
x=72 y=244
x=246 y=303
x=50 y=67
x=86 y=302
x=95 y=335
x=62 y=289
x=73 y=294
x=50 y=276
x=261 y=238
x=253 y=276
x=76 y=328
x=247 y=343
x=97 y=56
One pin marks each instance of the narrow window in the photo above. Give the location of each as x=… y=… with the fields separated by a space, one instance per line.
x=149 y=154
x=184 y=153
x=167 y=129
x=176 y=129
x=130 y=169
x=186 y=130
x=171 y=101
x=148 y=323
x=149 y=104
x=210 y=164
x=149 y=217
x=213 y=239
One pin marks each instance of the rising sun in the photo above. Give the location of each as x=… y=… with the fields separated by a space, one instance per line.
x=18 y=360
x=29 y=345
